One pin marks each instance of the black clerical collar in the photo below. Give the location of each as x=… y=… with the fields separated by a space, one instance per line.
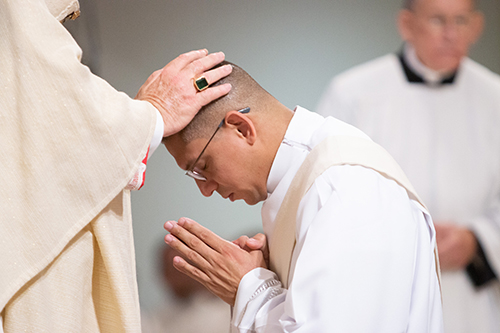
x=413 y=77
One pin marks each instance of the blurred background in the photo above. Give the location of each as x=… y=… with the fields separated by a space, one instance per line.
x=292 y=48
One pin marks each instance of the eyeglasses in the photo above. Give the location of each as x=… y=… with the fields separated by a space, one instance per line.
x=192 y=172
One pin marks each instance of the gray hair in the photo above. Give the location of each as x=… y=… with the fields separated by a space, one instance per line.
x=410 y=4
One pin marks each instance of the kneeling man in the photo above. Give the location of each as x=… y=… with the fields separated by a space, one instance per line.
x=351 y=246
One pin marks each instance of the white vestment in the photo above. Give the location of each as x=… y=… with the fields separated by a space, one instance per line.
x=447 y=140
x=363 y=261
x=69 y=144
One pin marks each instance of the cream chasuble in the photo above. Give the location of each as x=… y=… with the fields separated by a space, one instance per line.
x=69 y=144
x=334 y=150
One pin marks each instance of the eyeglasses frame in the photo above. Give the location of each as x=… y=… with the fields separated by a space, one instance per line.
x=196 y=175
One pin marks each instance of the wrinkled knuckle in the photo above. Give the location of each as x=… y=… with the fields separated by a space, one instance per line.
x=192 y=256
x=200 y=276
x=204 y=235
x=198 y=66
x=194 y=243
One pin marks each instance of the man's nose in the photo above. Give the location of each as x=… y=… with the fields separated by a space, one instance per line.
x=207 y=187
x=452 y=30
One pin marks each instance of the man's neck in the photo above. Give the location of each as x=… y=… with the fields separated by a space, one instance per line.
x=429 y=76
x=276 y=130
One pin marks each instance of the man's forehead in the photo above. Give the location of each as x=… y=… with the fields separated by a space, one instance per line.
x=443 y=5
x=184 y=153
x=178 y=149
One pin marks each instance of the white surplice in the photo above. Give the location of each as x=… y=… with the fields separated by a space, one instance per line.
x=363 y=261
x=447 y=140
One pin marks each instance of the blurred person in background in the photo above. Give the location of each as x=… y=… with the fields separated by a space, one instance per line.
x=438 y=113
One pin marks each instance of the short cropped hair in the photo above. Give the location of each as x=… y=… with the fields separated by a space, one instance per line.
x=245 y=92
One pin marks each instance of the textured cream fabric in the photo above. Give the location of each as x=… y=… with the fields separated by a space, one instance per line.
x=335 y=150
x=69 y=143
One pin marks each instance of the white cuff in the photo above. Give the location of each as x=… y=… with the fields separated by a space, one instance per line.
x=253 y=285
x=158 y=134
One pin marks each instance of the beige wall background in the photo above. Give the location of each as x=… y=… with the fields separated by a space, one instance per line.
x=292 y=48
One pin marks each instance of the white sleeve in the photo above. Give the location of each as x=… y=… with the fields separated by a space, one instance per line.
x=158 y=134
x=255 y=288
x=1 y=325
x=138 y=180
x=353 y=268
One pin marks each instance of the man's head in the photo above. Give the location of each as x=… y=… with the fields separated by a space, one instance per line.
x=236 y=163
x=441 y=31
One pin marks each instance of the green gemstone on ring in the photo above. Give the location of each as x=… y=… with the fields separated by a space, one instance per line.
x=201 y=83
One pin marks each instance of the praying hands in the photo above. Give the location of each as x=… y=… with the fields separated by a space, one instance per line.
x=214 y=262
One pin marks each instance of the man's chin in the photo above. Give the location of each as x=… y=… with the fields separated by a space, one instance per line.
x=449 y=63
x=252 y=201
x=249 y=201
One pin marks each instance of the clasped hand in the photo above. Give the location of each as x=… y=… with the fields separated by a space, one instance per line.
x=457 y=245
x=214 y=262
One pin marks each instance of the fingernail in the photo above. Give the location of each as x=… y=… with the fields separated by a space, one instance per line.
x=169 y=238
x=169 y=225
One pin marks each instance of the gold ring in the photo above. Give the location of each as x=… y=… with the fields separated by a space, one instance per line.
x=201 y=83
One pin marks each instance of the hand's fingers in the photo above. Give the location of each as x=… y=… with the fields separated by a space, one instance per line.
x=203 y=234
x=241 y=242
x=212 y=94
x=201 y=246
x=185 y=59
x=184 y=267
x=257 y=242
x=201 y=65
x=191 y=255
x=218 y=73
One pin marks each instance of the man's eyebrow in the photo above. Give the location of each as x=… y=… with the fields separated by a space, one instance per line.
x=189 y=164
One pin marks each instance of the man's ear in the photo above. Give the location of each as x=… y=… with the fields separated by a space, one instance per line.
x=405 y=24
x=243 y=125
